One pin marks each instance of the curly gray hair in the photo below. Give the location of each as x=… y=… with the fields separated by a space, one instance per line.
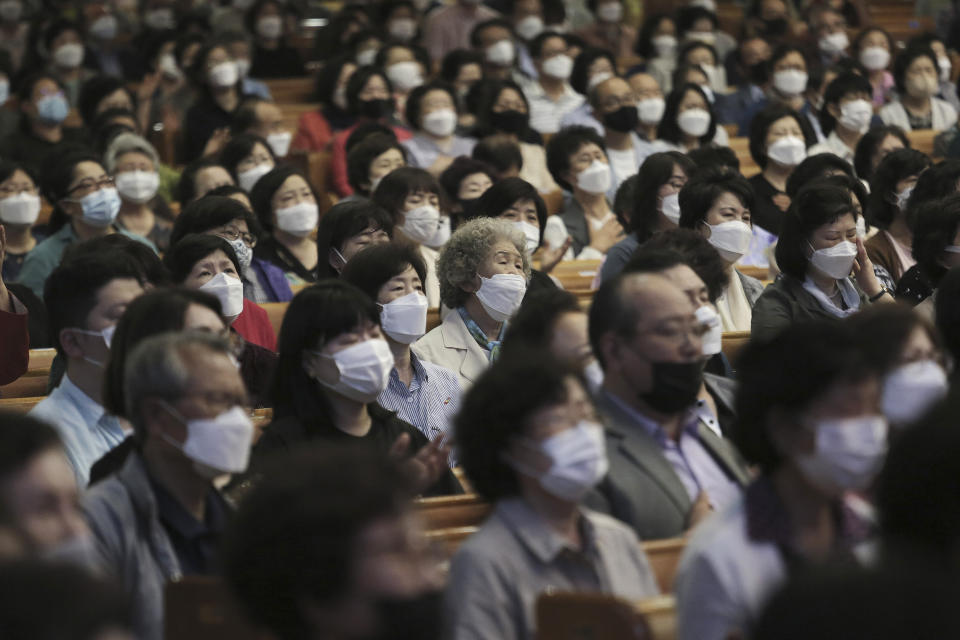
x=467 y=248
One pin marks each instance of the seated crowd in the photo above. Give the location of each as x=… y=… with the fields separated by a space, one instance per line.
x=273 y=293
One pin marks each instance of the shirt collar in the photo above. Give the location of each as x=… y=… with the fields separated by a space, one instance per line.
x=91 y=410
x=177 y=518
x=691 y=420
x=534 y=533
x=419 y=373
x=850 y=297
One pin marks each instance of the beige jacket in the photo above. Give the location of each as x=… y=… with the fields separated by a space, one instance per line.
x=450 y=345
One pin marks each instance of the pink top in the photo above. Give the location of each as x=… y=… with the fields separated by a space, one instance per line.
x=881 y=92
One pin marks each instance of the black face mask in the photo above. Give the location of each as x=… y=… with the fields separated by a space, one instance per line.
x=675 y=385
x=374 y=109
x=623 y=120
x=775 y=28
x=469 y=208
x=758 y=73
x=510 y=121
x=411 y=619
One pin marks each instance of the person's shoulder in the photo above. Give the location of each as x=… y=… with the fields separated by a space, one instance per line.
x=440 y=371
x=610 y=527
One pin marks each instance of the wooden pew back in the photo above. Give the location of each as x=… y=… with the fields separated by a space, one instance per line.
x=200 y=608
x=34 y=382
x=588 y=616
x=732 y=342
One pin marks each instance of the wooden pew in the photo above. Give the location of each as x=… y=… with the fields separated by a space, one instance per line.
x=200 y=608
x=576 y=275
x=553 y=201
x=741 y=147
x=579 y=616
x=445 y=512
x=732 y=342
x=922 y=140
x=34 y=382
x=19 y=405
x=664 y=556
x=290 y=90
x=275 y=311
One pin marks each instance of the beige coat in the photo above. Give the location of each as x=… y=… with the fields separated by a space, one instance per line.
x=450 y=345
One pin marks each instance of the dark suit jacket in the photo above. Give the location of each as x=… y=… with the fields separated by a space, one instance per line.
x=641 y=488
x=576 y=222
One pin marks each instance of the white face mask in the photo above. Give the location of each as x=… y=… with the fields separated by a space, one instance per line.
x=705 y=37
x=104 y=27
x=106 y=334
x=247 y=179
x=670 y=207
x=789 y=151
x=731 y=239
x=945 y=67
x=875 y=58
x=559 y=66
x=405 y=75
x=68 y=56
x=708 y=91
x=861 y=227
x=243 y=252
x=363 y=370
x=856 y=115
x=339 y=98
x=405 y=319
x=270 y=27
x=167 y=64
x=790 y=82
x=713 y=338
x=138 y=186
x=595 y=178
x=299 y=219
x=651 y=110
x=904 y=197
x=4 y=92
x=366 y=57
x=421 y=224
x=665 y=46
x=578 y=461
x=101 y=207
x=500 y=53
x=403 y=29
x=280 y=143
x=501 y=294
x=835 y=261
x=694 y=122
x=910 y=390
x=593 y=372
x=530 y=27
x=216 y=446
x=440 y=123
x=531 y=233
x=922 y=86
x=229 y=291
x=23 y=208
x=610 y=12
x=224 y=74
x=442 y=235
x=597 y=78
x=834 y=43
x=159 y=19
x=849 y=452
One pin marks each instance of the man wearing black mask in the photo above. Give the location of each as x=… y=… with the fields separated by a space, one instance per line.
x=614 y=104
x=668 y=468
x=750 y=70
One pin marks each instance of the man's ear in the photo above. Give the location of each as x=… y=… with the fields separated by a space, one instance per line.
x=610 y=348
x=70 y=343
x=833 y=110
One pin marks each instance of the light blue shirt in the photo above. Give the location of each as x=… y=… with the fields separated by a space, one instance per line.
x=45 y=257
x=582 y=116
x=84 y=427
x=422 y=151
x=256 y=88
x=431 y=401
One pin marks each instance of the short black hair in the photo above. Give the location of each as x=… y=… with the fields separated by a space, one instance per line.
x=867 y=147
x=419 y=53
x=400 y=183
x=882 y=331
x=625 y=199
x=22 y=438
x=882 y=206
x=358 y=81
x=536 y=45
x=938 y=181
x=343 y=221
x=187 y=185
x=903 y=61
x=493 y=414
x=703 y=189
x=935 y=225
x=455 y=60
x=782 y=50
x=375 y=265
x=294 y=536
x=360 y=157
x=669 y=130
x=150 y=266
x=239 y=147
x=844 y=84
x=156 y=311
x=70 y=292
x=364 y=130
x=695 y=251
x=644 y=47
x=210 y=212
x=565 y=143
x=689 y=15
x=475 y=41
x=245 y=116
x=867 y=30
x=947 y=304
x=487 y=93
x=94 y=90
x=459 y=169
x=785 y=374
x=189 y=250
x=415 y=99
x=504 y=193
x=713 y=157
x=327 y=78
x=814 y=167
x=693 y=45
x=679 y=75
x=760 y=126
x=580 y=75
x=655 y=172
x=816 y=204
x=262 y=193
x=531 y=328
x=500 y=152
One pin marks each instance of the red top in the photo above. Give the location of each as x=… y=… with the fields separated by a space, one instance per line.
x=253 y=324
x=338 y=158
x=313 y=132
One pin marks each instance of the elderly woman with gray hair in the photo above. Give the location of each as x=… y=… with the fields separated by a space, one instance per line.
x=483 y=272
x=134 y=164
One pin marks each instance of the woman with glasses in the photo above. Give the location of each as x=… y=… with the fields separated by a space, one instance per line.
x=19 y=210
x=231 y=220
x=86 y=204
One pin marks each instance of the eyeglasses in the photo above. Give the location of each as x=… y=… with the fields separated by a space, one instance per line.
x=89 y=185
x=233 y=234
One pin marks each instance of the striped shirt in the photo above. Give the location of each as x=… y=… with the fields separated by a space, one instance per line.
x=430 y=403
